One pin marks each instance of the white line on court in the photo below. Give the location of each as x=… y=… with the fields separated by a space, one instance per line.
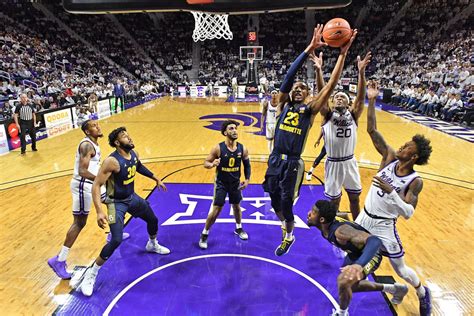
x=304 y=275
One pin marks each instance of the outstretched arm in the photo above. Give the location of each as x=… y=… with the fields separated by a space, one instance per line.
x=323 y=96
x=360 y=97
x=296 y=65
x=387 y=152
x=321 y=133
x=318 y=65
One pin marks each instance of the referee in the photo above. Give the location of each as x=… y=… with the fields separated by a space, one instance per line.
x=25 y=119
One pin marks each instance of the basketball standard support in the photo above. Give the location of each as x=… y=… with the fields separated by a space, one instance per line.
x=251 y=55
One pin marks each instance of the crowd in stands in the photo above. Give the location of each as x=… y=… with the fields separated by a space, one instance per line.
x=40 y=57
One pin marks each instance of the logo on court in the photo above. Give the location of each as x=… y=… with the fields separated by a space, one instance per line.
x=250 y=120
x=255 y=210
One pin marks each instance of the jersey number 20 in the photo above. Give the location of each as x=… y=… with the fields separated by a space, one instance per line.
x=343 y=132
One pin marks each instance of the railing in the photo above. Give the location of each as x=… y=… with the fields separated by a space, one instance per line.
x=30 y=83
x=59 y=64
x=5 y=75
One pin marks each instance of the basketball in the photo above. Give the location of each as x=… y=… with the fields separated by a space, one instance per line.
x=337 y=32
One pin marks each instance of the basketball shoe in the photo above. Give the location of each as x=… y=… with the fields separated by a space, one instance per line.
x=59 y=267
x=203 y=241
x=241 y=233
x=400 y=291
x=154 y=246
x=87 y=284
x=425 y=303
x=125 y=236
x=285 y=246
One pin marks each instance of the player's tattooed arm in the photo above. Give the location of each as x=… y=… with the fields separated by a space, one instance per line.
x=413 y=191
x=213 y=159
x=86 y=151
x=347 y=233
x=387 y=152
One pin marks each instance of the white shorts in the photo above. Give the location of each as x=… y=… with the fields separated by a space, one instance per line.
x=338 y=174
x=270 y=131
x=386 y=231
x=82 y=196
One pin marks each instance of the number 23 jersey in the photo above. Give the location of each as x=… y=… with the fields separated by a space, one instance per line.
x=292 y=129
x=340 y=134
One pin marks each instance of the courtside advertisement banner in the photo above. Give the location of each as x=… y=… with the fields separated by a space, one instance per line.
x=3 y=140
x=193 y=91
x=59 y=129
x=182 y=91
x=103 y=107
x=57 y=118
x=201 y=91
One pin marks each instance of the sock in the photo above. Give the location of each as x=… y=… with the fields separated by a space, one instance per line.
x=343 y=312
x=95 y=268
x=205 y=231
x=420 y=291
x=238 y=225
x=283 y=224
x=63 y=253
x=311 y=170
x=270 y=147
x=289 y=236
x=153 y=240
x=389 y=288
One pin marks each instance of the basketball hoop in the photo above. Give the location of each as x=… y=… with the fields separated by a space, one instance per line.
x=210 y=26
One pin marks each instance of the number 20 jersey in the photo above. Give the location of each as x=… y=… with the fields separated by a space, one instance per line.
x=292 y=129
x=340 y=135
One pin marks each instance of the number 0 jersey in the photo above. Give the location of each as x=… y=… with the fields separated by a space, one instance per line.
x=292 y=129
x=121 y=185
x=228 y=170
x=340 y=135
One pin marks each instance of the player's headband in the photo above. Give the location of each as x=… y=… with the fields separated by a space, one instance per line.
x=343 y=94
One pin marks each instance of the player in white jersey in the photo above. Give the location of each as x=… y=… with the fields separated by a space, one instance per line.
x=393 y=193
x=86 y=167
x=269 y=114
x=340 y=137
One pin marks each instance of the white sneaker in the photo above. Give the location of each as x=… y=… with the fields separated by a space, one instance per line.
x=309 y=175
x=87 y=285
x=241 y=233
x=77 y=279
x=156 y=247
x=400 y=291
x=203 y=241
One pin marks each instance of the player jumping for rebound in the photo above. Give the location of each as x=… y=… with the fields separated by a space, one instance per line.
x=285 y=166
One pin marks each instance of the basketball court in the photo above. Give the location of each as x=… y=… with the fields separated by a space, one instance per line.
x=173 y=136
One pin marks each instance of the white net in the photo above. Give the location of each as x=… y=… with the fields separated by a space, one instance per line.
x=210 y=26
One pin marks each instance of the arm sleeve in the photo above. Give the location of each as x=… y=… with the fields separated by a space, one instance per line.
x=404 y=209
x=247 y=168
x=370 y=250
x=290 y=75
x=141 y=169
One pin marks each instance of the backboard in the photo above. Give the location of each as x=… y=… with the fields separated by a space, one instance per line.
x=214 y=6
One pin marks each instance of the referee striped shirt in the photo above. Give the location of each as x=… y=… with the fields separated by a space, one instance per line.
x=25 y=111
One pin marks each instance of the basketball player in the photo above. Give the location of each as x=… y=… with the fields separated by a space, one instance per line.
x=340 y=138
x=362 y=259
x=227 y=157
x=393 y=193
x=85 y=170
x=285 y=167
x=118 y=173
x=269 y=114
